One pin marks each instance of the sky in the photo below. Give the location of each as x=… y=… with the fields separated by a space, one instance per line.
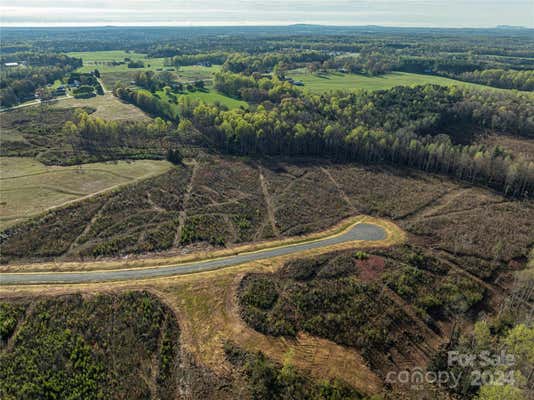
x=421 y=13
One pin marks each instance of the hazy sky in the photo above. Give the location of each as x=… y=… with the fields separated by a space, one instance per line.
x=447 y=13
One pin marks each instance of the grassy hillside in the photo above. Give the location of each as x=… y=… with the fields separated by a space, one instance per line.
x=29 y=187
x=338 y=81
x=106 y=106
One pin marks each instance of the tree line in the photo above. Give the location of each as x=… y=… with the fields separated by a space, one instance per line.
x=147 y=102
x=94 y=132
x=402 y=126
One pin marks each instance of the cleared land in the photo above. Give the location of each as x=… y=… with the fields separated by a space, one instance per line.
x=106 y=107
x=28 y=187
x=356 y=233
x=223 y=202
x=318 y=83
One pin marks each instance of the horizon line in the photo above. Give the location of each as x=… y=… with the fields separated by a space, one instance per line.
x=255 y=24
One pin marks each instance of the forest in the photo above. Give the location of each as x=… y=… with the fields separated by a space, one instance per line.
x=422 y=127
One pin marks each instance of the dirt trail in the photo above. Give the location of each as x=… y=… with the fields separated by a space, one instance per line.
x=432 y=207
x=154 y=206
x=187 y=196
x=269 y=203
x=342 y=193
x=494 y=290
x=87 y=228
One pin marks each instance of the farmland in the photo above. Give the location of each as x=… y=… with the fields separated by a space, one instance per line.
x=106 y=106
x=29 y=187
x=324 y=82
x=206 y=95
x=102 y=60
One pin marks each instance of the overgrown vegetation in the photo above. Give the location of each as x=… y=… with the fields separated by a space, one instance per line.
x=267 y=380
x=102 y=347
x=341 y=297
x=57 y=136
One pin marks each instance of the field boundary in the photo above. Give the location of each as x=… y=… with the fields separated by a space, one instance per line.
x=82 y=196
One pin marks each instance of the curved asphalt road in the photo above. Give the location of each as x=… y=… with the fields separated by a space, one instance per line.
x=357 y=232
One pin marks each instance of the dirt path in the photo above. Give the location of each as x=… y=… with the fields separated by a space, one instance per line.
x=342 y=193
x=465 y=210
x=269 y=203
x=154 y=206
x=35 y=102
x=437 y=203
x=491 y=289
x=87 y=228
x=187 y=196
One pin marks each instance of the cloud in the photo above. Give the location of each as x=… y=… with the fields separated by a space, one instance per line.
x=276 y=12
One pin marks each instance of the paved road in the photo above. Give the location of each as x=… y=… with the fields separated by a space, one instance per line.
x=35 y=103
x=357 y=232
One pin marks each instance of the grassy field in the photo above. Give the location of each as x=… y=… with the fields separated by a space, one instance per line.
x=182 y=74
x=102 y=60
x=111 y=74
x=318 y=83
x=107 y=107
x=28 y=187
x=209 y=96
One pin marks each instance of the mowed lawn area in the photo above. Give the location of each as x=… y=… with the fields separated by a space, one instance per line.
x=208 y=95
x=28 y=187
x=319 y=83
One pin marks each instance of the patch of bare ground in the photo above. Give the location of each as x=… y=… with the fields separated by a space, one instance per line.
x=185 y=202
x=269 y=203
